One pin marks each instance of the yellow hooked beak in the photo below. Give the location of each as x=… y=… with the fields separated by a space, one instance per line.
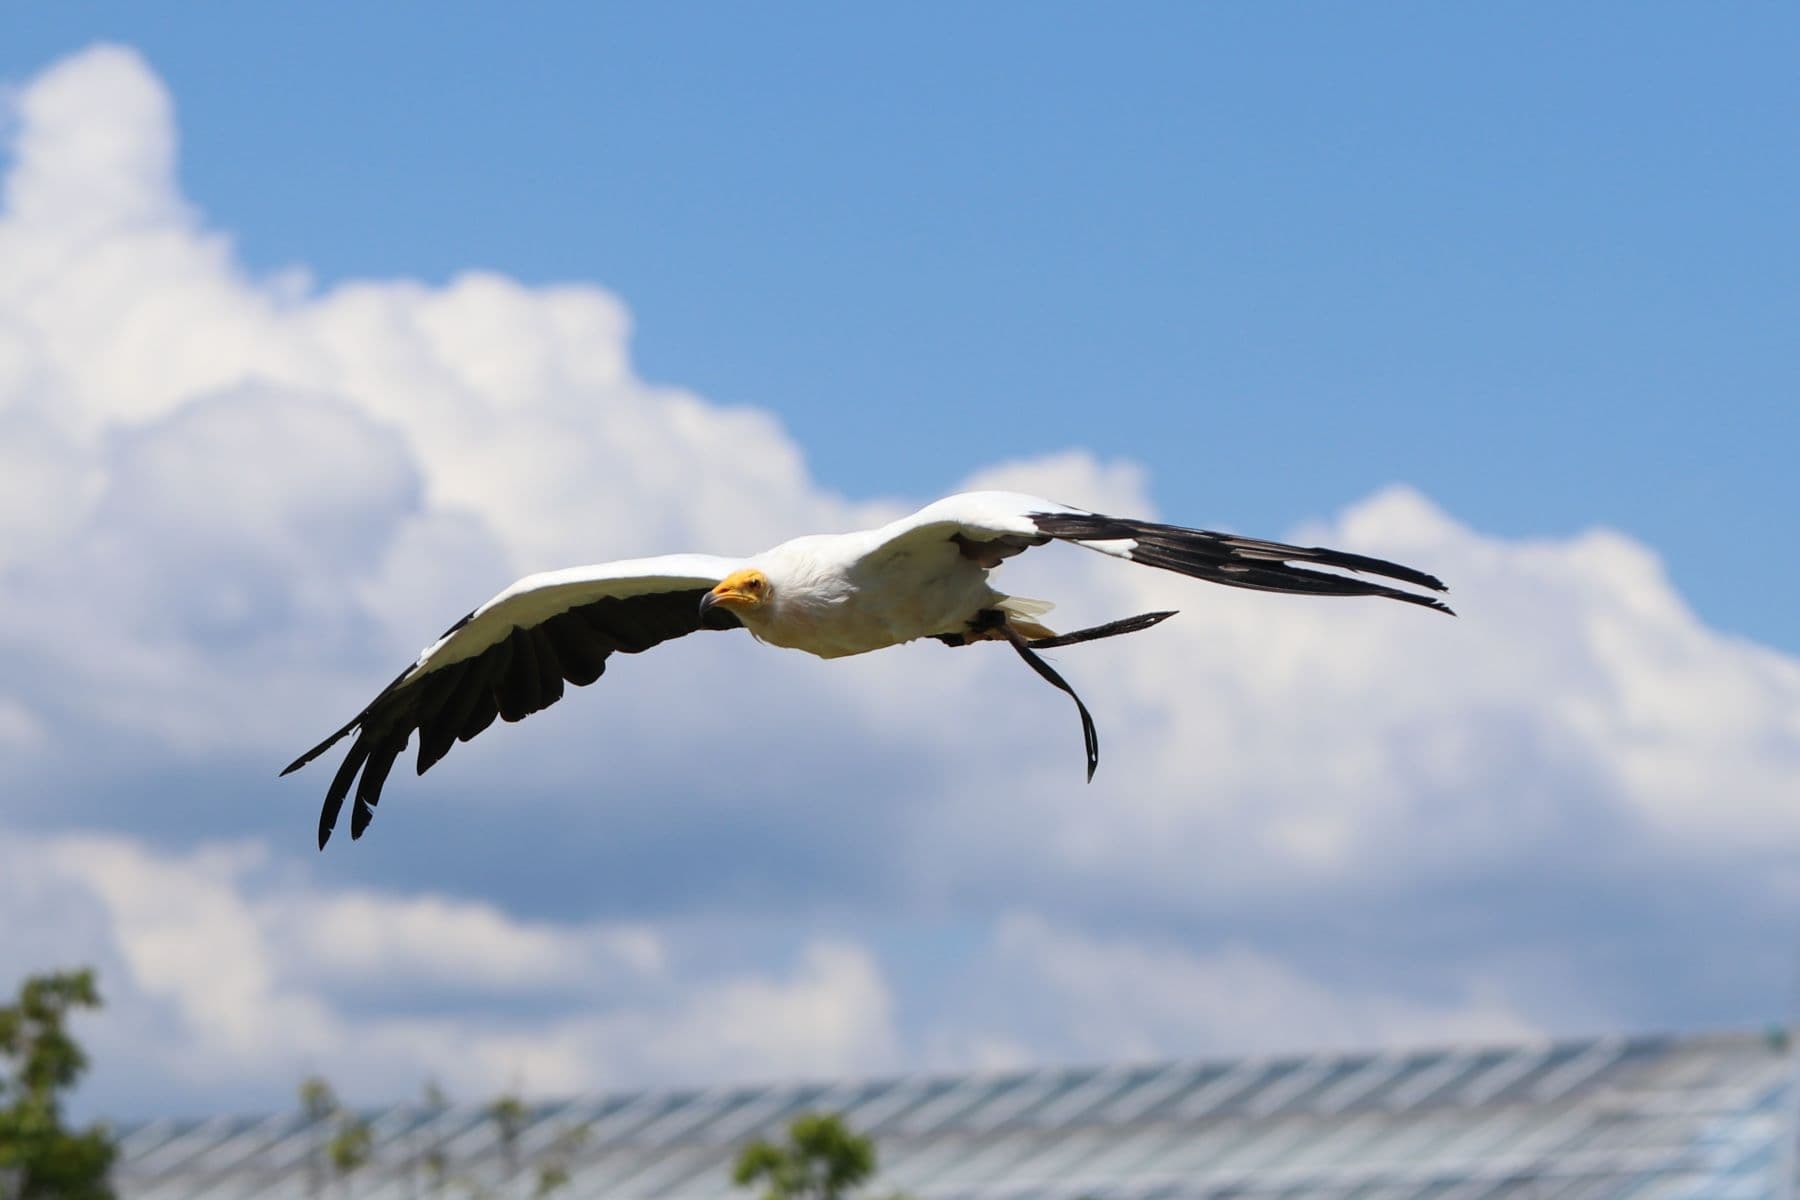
x=737 y=593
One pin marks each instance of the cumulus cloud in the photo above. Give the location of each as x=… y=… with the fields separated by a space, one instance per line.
x=1120 y=998
x=276 y=462
x=1268 y=743
x=231 y=506
x=229 y=978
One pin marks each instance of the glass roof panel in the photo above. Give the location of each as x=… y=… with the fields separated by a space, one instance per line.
x=1703 y=1117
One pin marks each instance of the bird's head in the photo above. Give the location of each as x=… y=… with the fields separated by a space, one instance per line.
x=739 y=594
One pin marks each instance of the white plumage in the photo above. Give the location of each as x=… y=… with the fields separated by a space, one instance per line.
x=831 y=595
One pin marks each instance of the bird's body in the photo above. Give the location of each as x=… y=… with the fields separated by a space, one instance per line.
x=822 y=603
x=834 y=595
x=830 y=595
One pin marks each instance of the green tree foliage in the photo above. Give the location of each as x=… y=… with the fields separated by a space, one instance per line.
x=317 y=1099
x=551 y=1178
x=318 y=1102
x=821 y=1160
x=346 y=1141
x=350 y=1146
x=41 y=1159
x=508 y=1113
x=555 y=1171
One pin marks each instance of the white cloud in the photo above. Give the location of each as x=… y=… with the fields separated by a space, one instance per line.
x=833 y=1016
x=354 y=936
x=1260 y=747
x=19 y=728
x=223 y=975
x=95 y=149
x=245 y=460
x=1123 y=999
x=230 y=507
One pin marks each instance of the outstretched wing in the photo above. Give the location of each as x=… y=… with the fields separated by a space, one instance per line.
x=991 y=526
x=510 y=657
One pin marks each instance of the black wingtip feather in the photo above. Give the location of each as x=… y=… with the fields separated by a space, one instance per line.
x=518 y=693
x=436 y=738
x=321 y=748
x=340 y=787
x=374 y=775
x=1245 y=562
x=486 y=709
x=1324 y=556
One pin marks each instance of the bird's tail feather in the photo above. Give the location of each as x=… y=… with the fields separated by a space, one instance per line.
x=1021 y=613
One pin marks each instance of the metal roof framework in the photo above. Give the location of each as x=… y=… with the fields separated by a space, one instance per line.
x=1709 y=1117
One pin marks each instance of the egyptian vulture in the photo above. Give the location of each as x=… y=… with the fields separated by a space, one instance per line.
x=923 y=576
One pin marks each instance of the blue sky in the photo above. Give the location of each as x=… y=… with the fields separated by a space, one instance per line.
x=1536 y=261
x=314 y=332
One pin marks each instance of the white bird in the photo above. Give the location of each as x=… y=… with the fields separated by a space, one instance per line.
x=923 y=576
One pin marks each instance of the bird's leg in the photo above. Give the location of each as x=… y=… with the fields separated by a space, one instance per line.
x=988 y=625
x=991 y=624
x=1090 y=738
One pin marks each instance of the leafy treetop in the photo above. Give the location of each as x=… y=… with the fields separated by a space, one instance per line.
x=40 y=1061
x=821 y=1160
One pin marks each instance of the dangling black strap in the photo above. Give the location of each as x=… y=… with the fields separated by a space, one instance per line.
x=1044 y=669
x=995 y=619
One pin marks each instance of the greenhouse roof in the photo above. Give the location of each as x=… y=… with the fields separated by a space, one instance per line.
x=1709 y=1117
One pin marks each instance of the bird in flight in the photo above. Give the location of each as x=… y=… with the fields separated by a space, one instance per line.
x=922 y=576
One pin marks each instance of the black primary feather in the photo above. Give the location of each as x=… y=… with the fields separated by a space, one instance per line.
x=1243 y=562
